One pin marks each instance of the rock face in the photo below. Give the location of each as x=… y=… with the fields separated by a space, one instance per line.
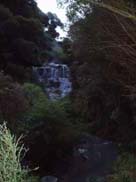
x=55 y=78
x=49 y=179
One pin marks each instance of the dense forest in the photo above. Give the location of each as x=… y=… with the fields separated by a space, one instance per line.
x=105 y=72
x=100 y=51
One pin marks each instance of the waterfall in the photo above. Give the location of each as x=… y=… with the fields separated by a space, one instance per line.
x=55 y=78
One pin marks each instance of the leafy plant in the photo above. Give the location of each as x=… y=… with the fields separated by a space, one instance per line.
x=11 y=152
x=49 y=128
x=12 y=100
x=125 y=169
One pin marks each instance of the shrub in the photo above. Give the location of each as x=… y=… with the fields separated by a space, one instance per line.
x=48 y=125
x=43 y=109
x=125 y=169
x=10 y=155
x=12 y=100
x=38 y=103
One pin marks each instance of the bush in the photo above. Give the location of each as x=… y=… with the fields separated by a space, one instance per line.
x=12 y=100
x=50 y=131
x=125 y=169
x=38 y=102
x=43 y=109
x=10 y=155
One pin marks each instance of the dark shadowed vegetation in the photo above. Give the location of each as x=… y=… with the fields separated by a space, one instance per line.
x=101 y=52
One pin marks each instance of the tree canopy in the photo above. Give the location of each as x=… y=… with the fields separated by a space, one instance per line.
x=26 y=35
x=103 y=38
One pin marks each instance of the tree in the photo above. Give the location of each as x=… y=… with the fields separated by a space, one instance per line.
x=103 y=37
x=12 y=101
x=26 y=36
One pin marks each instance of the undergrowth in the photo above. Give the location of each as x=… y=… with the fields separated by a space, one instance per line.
x=11 y=153
x=125 y=169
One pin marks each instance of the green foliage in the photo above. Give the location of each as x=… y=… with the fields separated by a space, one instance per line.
x=38 y=102
x=78 y=9
x=22 y=7
x=22 y=48
x=67 y=56
x=12 y=100
x=47 y=125
x=125 y=169
x=23 y=36
x=103 y=70
x=11 y=153
x=44 y=111
x=41 y=108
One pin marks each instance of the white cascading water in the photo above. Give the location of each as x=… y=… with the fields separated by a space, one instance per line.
x=55 y=78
